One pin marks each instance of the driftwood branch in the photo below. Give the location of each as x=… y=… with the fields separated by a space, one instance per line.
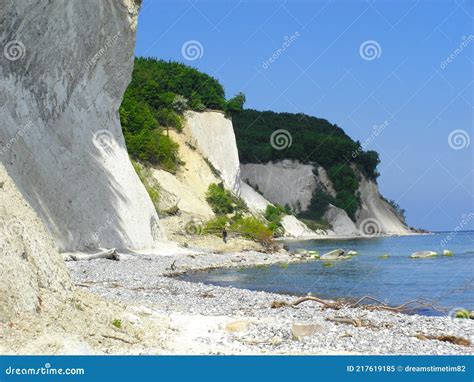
x=279 y=304
x=375 y=304
x=110 y=254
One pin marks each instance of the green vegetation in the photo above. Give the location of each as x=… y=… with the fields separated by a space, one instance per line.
x=399 y=210
x=318 y=206
x=461 y=313
x=317 y=224
x=313 y=140
x=161 y=91
x=229 y=210
x=236 y=104
x=117 y=323
x=214 y=170
x=154 y=102
x=252 y=228
x=151 y=186
x=222 y=201
x=274 y=214
x=216 y=225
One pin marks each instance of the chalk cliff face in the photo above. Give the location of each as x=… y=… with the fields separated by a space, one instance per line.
x=293 y=183
x=213 y=136
x=31 y=269
x=64 y=68
x=286 y=182
x=187 y=188
x=375 y=210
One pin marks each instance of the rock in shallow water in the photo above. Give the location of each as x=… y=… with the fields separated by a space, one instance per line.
x=423 y=254
x=336 y=254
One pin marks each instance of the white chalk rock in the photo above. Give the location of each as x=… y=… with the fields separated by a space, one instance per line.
x=60 y=137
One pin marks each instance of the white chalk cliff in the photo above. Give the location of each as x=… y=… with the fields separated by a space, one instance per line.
x=213 y=136
x=31 y=268
x=374 y=207
x=286 y=182
x=289 y=182
x=63 y=72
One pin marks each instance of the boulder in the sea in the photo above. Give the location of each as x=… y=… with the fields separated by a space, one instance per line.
x=336 y=254
x=447 y=252
x=352 y=253
x=423 y=254
x=461 y=313
x=384 y=256
x=314 y=254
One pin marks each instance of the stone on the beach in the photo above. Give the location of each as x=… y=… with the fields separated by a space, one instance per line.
x=336 y=254
x=423 y=254
x=237 y=326
x=299 y=331
x=447 y=252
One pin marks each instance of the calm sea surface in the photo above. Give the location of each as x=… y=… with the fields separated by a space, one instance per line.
x=447 y=280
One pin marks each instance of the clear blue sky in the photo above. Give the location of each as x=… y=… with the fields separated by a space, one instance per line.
x=323 y=72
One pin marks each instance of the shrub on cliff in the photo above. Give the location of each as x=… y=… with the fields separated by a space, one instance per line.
x=252 y=228
x=154 y=147
x=274 y=214
x=222 y=201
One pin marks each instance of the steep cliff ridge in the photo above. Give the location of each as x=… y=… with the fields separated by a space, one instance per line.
x=377 y=210
x=286 y=182
x=289 y=182
x=186 y=189
x=66 y=66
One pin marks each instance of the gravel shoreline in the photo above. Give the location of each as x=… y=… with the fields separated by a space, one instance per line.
x=220 y=320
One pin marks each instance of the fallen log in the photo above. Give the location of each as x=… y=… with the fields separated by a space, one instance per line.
x=411 y=305
x=279 y=304
x=110 y=254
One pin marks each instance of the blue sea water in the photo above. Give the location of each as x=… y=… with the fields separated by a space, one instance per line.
x=448 y=281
